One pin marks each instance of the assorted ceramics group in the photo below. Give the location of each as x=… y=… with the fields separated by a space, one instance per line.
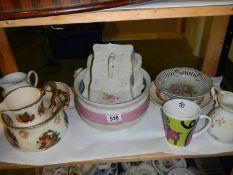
x=154 y=167
x=113 y=93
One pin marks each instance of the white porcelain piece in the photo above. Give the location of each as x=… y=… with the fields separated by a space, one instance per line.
x=87 y=77
x=137 y=76
x=111 y=74
x=181 y=171
x=164 y=166
x=126 y=165
x=18 y=79
x=221 y=127
x=41 y=136
x=56 y=170
x=24 y=105
x=111 y=116
x=186 y=83
x=145 y=169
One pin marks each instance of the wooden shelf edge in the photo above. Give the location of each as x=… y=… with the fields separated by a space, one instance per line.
x=142 y=157
x=122 y=15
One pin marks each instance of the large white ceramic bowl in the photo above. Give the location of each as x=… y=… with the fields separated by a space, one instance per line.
x=111 y=116
x=186 y=83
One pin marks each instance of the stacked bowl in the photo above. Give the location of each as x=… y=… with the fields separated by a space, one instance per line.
x=111 y=116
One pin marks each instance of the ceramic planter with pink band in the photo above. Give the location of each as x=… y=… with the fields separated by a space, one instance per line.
x=111 y=117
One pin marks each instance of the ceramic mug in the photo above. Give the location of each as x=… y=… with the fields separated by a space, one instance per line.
x=180 y=118
x=17 y=79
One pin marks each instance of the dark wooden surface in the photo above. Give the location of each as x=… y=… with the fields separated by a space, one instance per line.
x=17 y=9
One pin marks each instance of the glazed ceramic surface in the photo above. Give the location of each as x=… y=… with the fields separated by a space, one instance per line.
x=17 y=79
x=181 y=171
x=111 y=74
x=164 y=166
x=145 y=169
x=40 y=136
x=24 y=106
x=222 y=116
x=186 y=83
x=114 y=74
x=106 y=169
x=64 y=93
x=115 y=116
x=180 y=118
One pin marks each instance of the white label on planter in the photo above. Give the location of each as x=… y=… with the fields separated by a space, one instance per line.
x=114 y=117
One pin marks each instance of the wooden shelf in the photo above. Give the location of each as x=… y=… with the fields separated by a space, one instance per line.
x=142 y=157
x=221 y=15
x=121 y=15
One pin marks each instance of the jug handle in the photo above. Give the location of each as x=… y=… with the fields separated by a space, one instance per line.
x=30 y=73
x=76 y=72
x=65 y=99
x=53 y=89
x=214 y=92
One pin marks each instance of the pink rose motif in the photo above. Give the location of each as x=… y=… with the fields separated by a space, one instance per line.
x=110 y=98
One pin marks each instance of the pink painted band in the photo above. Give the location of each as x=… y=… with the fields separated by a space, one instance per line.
x=102 y=118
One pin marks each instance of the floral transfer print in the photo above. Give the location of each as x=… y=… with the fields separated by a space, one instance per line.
x=41 y=109
x=110 y=98
x=182 y=90
x=12 y=138
x=23 y=134
x=219 y=122
x=25 y=117
x=48 y=139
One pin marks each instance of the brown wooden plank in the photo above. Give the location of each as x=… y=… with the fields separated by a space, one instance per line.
x=121 y=15
x=55 y=7
x=7 y=60
x=215 y=44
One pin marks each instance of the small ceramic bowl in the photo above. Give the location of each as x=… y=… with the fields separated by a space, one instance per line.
x=111 y=116
x=186 y=83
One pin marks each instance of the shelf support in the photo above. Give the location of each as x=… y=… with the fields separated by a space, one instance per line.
x=215 y=44
x=7 y=59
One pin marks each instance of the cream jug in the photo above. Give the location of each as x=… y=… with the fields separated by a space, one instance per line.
x=221 y=127
x=17 y=79
x=24 y=106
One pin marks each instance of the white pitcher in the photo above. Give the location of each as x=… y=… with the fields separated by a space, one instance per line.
x=221 y=127
x=17 y=79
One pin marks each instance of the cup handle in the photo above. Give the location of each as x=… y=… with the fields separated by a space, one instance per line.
x=30 y=73
x=53 y=90
x=204 y=129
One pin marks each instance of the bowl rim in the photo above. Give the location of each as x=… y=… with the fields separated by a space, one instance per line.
x=57 y=111
x=206 y=77
x=144 y=93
